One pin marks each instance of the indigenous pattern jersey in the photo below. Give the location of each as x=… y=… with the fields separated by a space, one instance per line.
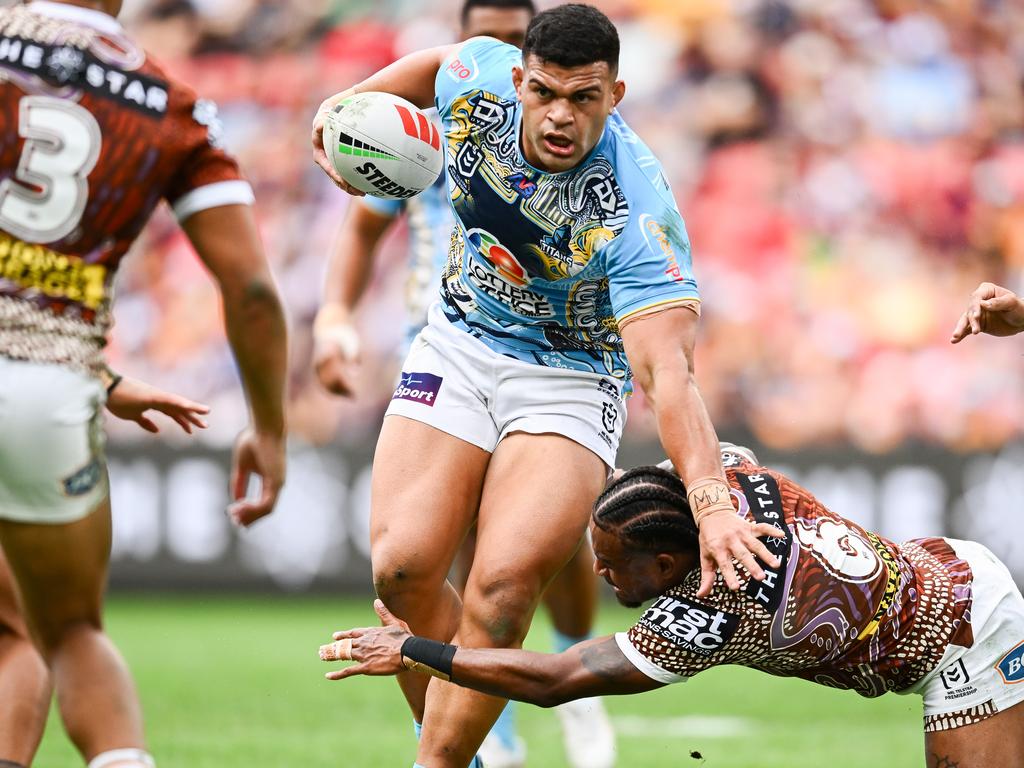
x=847 y=608
x=430 y=222
x=545 y=267
x=92 y=137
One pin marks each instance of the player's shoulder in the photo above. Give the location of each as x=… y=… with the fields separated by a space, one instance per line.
x=636 y=167
x=478 y=64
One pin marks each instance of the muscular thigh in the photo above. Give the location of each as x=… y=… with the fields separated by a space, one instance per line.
x=425 y=493
x=60 y=569
x=536 y=503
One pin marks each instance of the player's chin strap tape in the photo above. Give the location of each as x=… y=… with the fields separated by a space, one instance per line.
x=423 y=655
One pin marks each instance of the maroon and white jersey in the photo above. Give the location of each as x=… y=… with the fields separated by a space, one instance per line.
x=846 y=608
x=92 y=137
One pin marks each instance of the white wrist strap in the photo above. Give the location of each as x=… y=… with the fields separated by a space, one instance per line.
x=344 y=337
x=123 y=758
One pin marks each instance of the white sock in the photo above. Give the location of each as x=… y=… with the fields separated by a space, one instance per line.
x=123 y=758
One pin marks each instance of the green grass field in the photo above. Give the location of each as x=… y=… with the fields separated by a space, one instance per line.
x=232 y=682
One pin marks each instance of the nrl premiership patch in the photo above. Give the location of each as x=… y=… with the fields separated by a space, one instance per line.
x=692 y=627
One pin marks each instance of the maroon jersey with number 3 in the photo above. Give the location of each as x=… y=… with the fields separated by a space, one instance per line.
x=93 y=136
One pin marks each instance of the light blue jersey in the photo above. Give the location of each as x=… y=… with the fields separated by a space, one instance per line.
x=430 y=222
x=544 y=267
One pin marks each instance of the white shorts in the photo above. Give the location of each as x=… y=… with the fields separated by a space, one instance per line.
x=970 y=684
x=457 y=384
x=52 y=465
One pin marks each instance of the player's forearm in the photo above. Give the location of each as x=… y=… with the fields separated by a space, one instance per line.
x=535 y=678
x=684 y=425
x=411 y=77
x=256 y=329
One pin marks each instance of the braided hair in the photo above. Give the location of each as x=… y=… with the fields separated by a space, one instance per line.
x=647 y=508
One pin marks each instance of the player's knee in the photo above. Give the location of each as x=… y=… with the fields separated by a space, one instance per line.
x=396 y=577
x=55 y=635
x=498 y=611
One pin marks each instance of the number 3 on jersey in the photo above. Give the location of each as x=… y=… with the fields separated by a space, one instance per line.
x=62 y=144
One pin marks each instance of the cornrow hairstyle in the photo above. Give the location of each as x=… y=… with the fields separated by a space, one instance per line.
x=647 y=509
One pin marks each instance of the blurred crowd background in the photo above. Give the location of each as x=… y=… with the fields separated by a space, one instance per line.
x=848 y=170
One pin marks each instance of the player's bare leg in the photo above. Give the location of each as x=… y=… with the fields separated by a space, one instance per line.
x=534 y=508
x=26 y=690
x=997 y=742
x=571 y=598
x=419 y=516
x=61 y=571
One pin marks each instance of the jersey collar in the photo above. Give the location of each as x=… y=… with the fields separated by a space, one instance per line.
x=104 y=22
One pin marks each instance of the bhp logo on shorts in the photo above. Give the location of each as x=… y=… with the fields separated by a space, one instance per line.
x=1011 y=666
x=418 y=387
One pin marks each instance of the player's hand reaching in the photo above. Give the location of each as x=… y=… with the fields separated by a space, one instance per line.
x=259 y=454
x=335 y=352
x=319 y=154
x=724 y=537
x=377 y=649
x=132 y=400
x=994 y=310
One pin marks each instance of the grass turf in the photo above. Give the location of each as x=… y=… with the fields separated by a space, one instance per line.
x=232 y=682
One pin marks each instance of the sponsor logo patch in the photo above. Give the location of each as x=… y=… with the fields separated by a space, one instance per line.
x=652 y=230
x=1011 y=666
x=53 y=274
x=955 y=679
x=418 y=387
x=84 y=480
x=693 y=627
x=68 y=66
x=764 y=501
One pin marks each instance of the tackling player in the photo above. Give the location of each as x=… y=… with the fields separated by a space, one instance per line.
x=571 y=598
x=994 y=310
x=569 y=256
x=847 y=608
x=94 y=136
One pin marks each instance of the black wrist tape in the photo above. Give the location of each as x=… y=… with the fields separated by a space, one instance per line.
x=421 y=654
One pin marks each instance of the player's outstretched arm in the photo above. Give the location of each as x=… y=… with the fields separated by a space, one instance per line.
x=349 y=266
x=228 y=243
x=132 y=400
x=659 y=348
x=994 y=310
x=594 y=668
x=411 y=77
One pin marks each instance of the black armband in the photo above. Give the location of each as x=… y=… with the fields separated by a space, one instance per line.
x=421 y=654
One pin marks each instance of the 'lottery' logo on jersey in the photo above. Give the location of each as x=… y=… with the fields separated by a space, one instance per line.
x=418 y=387
x=505 y=263
x=694 y=627
x=1011 y=666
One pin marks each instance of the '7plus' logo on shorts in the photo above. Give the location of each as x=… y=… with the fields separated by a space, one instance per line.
x=418 y=387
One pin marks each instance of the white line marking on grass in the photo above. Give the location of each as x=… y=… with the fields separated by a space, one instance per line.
x=684 y=727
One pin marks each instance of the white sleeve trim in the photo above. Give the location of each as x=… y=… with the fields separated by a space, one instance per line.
x=213 y=196
x=644 y=664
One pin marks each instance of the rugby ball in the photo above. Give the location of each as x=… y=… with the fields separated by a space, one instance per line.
x=383 y=145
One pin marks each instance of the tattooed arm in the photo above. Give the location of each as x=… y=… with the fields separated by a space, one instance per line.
x=594 y=668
